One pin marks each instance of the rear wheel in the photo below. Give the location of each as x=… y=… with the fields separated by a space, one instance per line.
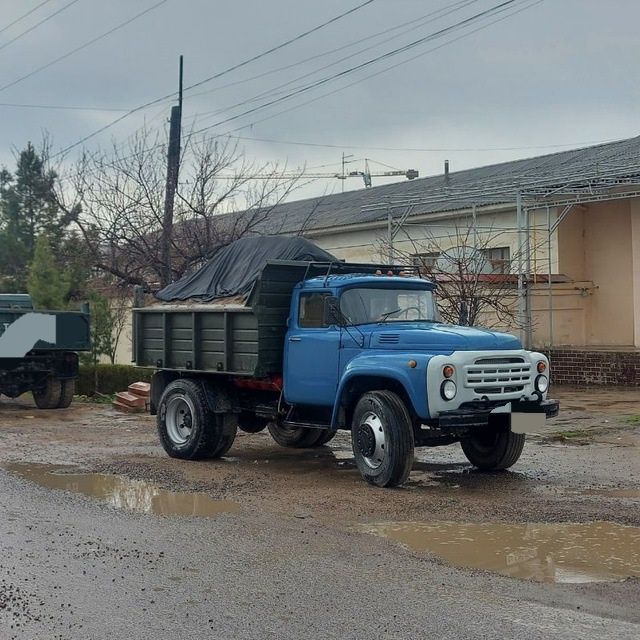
x=325 y=437
x=49 y=395
x=187 y=428
x=494 y=450
x=295 y=437
x=382 y=438
x=251 y=423
x=67 y=393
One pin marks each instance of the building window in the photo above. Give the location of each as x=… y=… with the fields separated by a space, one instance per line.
x=425 y=261
x=497 y=259
x=311 y=310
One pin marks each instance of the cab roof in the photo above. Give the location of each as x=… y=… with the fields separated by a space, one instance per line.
x=366 y=279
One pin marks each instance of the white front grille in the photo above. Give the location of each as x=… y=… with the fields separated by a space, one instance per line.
x=498 y=375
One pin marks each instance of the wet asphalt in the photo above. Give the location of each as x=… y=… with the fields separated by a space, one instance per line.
x=74 y=568
x=292 y=562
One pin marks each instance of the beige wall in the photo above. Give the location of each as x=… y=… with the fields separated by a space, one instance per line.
x=596 y=243
x=634 y=212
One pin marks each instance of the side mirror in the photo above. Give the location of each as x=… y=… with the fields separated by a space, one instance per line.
x=332 y=313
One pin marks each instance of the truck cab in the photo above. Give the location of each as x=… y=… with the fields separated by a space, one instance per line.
x=354 y=334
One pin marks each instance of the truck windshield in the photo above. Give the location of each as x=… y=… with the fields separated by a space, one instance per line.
x=368 y=305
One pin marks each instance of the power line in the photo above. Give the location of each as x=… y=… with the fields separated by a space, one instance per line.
x=37 y=24
x=253 y=123
x=83 y=46
x=433 y=16
x=63 y=107
x=416 y=22
x=372 y=75
x=419 y=149
x=217 y=75
x=24 y=15
x=437 y=34
x=280 y=46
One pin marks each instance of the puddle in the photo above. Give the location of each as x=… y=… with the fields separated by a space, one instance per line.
x=122 y=492
x=565 y=552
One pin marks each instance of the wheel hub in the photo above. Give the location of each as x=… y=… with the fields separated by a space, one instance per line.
x=366 y=440
x=370 y=441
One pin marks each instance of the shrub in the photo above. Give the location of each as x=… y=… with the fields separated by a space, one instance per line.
x=111 y=378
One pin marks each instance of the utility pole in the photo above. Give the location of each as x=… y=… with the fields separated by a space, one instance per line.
x=173 y=167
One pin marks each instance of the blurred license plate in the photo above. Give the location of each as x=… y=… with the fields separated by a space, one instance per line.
x=528 y=422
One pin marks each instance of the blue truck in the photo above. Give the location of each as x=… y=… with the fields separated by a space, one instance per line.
x=39 y=350
x=322 y=347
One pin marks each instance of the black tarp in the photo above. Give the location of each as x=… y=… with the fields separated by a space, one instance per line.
x=235 y=268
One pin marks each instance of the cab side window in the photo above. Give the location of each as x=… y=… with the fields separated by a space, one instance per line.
x=311 y=310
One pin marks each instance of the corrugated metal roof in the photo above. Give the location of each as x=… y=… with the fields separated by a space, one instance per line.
x=483 y=186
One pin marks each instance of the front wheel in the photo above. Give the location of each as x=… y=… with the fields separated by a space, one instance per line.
x=382 y=438
x=495 y=450
x=187 y=427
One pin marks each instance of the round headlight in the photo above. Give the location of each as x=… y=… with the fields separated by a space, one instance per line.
x=448 y=390
x=542 y=383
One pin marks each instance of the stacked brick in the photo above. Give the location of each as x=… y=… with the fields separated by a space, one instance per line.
x=134 y=400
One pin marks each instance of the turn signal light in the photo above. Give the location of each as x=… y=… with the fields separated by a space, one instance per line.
x=542 y=366
x=448 y=371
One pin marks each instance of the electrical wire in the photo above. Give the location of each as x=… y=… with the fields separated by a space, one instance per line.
x=83 y=46
x=63 y=107
x=24 y=15
x=217 y=75
x=37 y=24
x=416 y=22
x=437 y=34
x=372 y=75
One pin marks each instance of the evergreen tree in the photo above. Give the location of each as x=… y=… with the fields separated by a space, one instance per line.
x=48 y=285
x=28 y=209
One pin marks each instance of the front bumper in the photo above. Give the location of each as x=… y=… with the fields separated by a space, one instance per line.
x=478 y=416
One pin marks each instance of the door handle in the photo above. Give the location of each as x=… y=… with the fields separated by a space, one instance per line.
x=295 y=339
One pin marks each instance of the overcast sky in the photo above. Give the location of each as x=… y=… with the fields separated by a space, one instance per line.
x=562 y=72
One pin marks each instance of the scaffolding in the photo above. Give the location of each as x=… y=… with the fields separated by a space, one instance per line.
x=596 y=174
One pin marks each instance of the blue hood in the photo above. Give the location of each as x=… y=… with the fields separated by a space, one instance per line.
x=439 y=338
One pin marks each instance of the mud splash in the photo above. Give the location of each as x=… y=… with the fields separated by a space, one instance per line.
x=122 y=492
x=565 y=552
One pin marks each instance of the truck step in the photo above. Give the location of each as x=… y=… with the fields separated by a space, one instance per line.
x=141 y=389
x=131 y=400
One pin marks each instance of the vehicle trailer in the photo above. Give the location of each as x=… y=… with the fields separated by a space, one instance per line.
x=325 y=346
x=38 y=351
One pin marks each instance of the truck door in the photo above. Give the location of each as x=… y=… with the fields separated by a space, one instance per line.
x=311 y=354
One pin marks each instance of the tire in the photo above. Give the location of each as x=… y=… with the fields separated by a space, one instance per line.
x=298 y=438
x=49 y=395
x=66 y=396
x=187 y=428
x=382 y=439
x=250 y=423
x=325 y=437
x=494 y=451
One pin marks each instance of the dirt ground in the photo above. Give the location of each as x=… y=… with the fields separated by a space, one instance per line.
x=587 y=471
x=561 y=476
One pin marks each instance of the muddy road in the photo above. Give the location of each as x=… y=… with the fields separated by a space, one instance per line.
x=103 y=536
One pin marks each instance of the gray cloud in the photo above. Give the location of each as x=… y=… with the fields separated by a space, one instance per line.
x=565 y=71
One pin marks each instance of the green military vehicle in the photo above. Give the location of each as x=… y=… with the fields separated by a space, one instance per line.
x=38 y=350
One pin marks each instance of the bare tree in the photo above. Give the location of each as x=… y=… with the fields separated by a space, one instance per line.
x=475 y=274
x=118 y=198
